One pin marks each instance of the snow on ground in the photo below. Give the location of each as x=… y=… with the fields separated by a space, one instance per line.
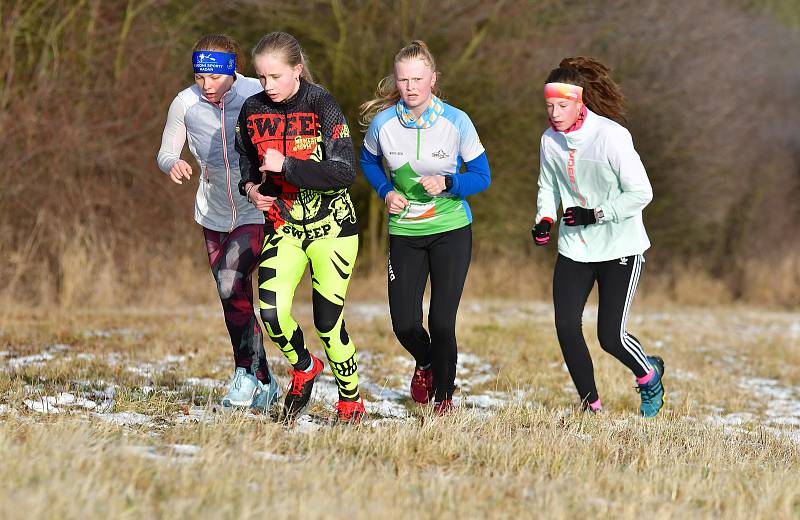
x=125 y=418
x=781 y=409
x=125 y=333
x=776 y=406
x=782 y=402
x=276 y=457
x=34 y=359
x=62 y=402
x=167 y=453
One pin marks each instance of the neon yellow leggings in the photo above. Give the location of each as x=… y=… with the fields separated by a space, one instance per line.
x=281 y=266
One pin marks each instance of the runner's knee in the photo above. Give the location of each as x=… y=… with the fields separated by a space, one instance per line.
x=609 y=338
x=227 y=281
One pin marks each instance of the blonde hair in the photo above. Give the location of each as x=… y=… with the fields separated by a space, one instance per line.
x=286 y=44
x=387 y=94
x=222 y=43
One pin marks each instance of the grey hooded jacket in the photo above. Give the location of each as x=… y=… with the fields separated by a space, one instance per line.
x=218 y=204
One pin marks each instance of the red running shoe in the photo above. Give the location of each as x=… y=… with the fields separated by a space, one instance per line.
x=422 y=385
x=444 y=407
x=299 y=392
x=351 y=411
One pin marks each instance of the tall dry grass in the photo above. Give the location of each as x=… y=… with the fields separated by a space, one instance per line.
x=522 y=464
x=91 y=272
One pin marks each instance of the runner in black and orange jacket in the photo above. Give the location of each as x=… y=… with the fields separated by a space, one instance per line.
x=297 y=161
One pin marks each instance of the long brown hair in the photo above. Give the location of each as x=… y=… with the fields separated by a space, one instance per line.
x=286 y=44
x=601 y=94
x=387 y=94
x=222 y=43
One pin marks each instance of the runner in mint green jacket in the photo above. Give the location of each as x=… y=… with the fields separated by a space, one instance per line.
x=589 y=166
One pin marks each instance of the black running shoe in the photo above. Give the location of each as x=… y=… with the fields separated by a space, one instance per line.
x=299 y=392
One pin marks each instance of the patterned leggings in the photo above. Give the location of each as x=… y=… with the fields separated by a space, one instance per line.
x=233 y=256
x=282 y=264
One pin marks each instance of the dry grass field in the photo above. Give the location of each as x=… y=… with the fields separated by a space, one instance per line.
x=109 y=412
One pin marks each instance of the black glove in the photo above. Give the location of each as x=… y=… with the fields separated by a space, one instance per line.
x=578 y=216
x=541 y=233
x=269 y=189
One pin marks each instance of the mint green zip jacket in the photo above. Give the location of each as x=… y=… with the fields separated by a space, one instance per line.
x=595 y=166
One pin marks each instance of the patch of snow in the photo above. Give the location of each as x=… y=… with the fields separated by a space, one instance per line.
x=206 y=382
x=325 y=389
x=54 y=404
x=381 y=392
x=386 y=409
x=732 y=419
x=144 y=369
x=405 y=361
x=782 y=402
x=34 y=359
x=185 y=449
x=305 y=424
x=194 y=414
x=169 y=358
x=129 y=333
x=125 y=418
x=276 y=457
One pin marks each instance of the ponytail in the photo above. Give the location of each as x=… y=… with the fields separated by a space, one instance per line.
x=601 y=94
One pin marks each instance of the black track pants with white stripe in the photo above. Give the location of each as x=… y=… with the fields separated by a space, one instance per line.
x=616 y=282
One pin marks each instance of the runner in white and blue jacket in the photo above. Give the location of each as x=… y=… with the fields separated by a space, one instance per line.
x=206 y=114
x=589 y=166
x=424 y=142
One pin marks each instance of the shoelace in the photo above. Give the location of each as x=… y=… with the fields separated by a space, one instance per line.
x=647 y=392
x=298 y=381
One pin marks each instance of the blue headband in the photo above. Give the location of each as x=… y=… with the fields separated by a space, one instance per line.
x=214 y=62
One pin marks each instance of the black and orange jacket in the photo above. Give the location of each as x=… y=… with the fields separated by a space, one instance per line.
x=310 y=130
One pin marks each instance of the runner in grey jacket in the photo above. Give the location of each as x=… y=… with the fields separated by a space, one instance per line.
x=206 y=113
x=218 y=205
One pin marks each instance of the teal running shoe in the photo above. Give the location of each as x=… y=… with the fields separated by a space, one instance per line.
x=267 y=395
x=652 y=392
x=242 y=389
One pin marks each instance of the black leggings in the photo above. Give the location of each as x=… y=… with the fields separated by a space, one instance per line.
x=445 y=256
x=616 y=282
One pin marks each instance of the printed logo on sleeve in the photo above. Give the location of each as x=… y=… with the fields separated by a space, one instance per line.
x=341 y=131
